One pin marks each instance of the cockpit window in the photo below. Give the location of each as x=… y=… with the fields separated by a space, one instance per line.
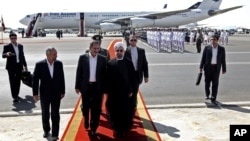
x=28 y=16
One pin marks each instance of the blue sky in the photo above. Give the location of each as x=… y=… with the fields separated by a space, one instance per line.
x=14 y=10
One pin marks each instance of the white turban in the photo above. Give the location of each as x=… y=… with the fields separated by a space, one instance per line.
x=120 y=44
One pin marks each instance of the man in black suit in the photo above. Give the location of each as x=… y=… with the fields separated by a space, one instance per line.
x=49 y=72
x=120 y=85
x=138 y=57
x=213 y=58
x=90 y=77
x=102 y=51
x=15 y=64
x=199 y=40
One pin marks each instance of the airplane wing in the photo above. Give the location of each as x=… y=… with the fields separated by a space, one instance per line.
x=217 y=12
x=156 y=15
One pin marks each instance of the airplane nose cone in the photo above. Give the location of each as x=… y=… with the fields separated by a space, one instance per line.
x=24 y=21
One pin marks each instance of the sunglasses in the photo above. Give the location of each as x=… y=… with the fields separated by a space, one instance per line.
x=133 y=40
x=119 y=50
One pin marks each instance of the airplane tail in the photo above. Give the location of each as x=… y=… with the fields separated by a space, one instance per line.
x=195 y=6
x=211 y=4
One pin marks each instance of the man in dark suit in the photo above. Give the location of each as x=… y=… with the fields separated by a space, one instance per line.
x=90 y=77
x=138 y=57
x=199 y=39
x=120 y=85
x=213 y=58
x=15 y=64
x=102 y=51
x=49 y=72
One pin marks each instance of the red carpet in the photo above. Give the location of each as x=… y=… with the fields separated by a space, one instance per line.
x=143 y=128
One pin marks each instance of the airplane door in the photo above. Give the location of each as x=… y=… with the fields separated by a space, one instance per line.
x=82 y=25
x=41 y=17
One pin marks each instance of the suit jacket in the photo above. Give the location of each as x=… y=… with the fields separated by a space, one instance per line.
x=207 y=57
x=121 y=78
x=83 y=74
x=11 y=61
x=142 y=64
x=49 y=87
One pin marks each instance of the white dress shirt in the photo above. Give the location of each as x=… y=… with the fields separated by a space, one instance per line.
x=16 y=52
x=51 y=68
x=214 y=55
x=92 y=68
x=134 y=56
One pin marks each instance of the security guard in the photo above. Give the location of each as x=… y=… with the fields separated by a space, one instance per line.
x=102 y=51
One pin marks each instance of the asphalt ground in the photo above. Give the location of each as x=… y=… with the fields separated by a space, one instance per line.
x=171 y=75
x=175 y=104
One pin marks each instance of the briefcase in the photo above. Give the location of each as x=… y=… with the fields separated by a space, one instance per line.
x=26 y=78
x=198 y=80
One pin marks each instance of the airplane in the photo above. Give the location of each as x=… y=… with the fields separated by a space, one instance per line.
x=114 y=21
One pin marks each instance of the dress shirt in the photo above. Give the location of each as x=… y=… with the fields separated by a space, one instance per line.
x=92 y=68
x=16 y=52
x=214 y=55
x=134 y=56
x=51 y=68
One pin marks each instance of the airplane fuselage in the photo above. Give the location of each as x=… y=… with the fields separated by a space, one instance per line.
x=93 y=19
x=111 y=21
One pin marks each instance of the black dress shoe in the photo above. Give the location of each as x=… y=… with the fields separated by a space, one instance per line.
x=122 y=135
x=214 y=102
x=207 y=98
x=16 y=100
x=93 y=132
x=45 y=134
x=86 y=125
x=55 y=138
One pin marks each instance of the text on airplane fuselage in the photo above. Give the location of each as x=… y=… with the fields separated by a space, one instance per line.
x=60 y=14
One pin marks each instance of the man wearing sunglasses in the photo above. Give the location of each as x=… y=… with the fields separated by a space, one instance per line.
x=138 y=57
x=14 y=65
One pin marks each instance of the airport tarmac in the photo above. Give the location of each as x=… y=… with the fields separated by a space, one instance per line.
x=175 y=104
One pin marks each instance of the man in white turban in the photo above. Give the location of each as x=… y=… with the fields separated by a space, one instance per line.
x=120 y=85
x=120 y=49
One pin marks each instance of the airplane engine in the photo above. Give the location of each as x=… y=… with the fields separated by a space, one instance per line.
x=105 y=27
x=141 y=22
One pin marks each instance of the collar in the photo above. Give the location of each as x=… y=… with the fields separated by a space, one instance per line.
x=49 y=62
x=214 y=47
x=90 y=55
x=119 y=58
x=14 y=44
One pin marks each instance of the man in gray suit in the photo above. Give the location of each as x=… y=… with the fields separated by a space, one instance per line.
x=50 y=75
x=213 y=58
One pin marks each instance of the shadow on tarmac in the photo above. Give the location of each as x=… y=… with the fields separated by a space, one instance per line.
x=171 y=131
x=233 y=107
x=25 y=105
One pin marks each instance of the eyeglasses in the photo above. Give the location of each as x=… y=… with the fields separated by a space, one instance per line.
x=133 y=40
x=12 y=38
x=119 y=50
